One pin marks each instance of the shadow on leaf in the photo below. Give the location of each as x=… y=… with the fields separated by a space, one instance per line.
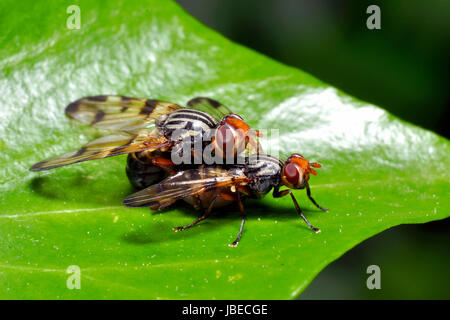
x=81 y=188
x=153 y=232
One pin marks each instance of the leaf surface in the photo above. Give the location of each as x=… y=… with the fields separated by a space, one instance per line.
x=378 y=171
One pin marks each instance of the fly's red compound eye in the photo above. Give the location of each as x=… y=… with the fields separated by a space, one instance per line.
x=291 y=173
x=225 y=137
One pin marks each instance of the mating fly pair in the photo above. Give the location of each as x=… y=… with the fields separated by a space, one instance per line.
x=145 y=126
x=146 y=132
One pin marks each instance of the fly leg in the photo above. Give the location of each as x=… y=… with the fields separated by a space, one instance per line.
x=205 y=215
x=241 y=208
x=166 y=164
x=308 y=192
x=197 y=202
x=278 y=194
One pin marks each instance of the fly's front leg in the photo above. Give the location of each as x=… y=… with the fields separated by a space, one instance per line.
x=308 y=192
x=278 y=194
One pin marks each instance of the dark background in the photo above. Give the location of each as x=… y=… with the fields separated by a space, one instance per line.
x=403 y=68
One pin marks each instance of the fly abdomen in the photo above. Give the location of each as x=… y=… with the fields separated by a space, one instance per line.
x=141 y=172
x=188 y=123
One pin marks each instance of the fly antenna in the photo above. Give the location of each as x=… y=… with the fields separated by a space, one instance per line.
x=315 y=165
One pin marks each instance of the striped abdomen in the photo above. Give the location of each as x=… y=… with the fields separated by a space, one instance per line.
x=189 y=122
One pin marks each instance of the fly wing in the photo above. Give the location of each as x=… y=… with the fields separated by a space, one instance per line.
x=107 y=146
x=184 y=184
x=118 y=112
x=211 y=106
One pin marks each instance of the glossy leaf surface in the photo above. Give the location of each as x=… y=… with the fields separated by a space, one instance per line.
x=377 y=172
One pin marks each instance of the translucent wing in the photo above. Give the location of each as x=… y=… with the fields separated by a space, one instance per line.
x=211 y=106
x=107 y=146
x=118 y=112
x=184 y=184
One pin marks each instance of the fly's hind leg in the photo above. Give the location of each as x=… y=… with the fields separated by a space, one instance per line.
x=205 y=215
x=166 y=164
x=241 y=208
x=197 y=202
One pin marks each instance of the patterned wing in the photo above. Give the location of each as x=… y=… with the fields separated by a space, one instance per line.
x=107 y=146
x=184 y=184
x=211 y=106
x=118 y=112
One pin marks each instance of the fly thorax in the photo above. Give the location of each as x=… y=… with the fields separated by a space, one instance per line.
x=264 y=173
x=159 y=122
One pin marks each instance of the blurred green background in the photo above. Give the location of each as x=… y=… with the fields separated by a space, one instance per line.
x=403 y=68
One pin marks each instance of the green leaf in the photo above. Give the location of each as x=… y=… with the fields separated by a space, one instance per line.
x=378 y=171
